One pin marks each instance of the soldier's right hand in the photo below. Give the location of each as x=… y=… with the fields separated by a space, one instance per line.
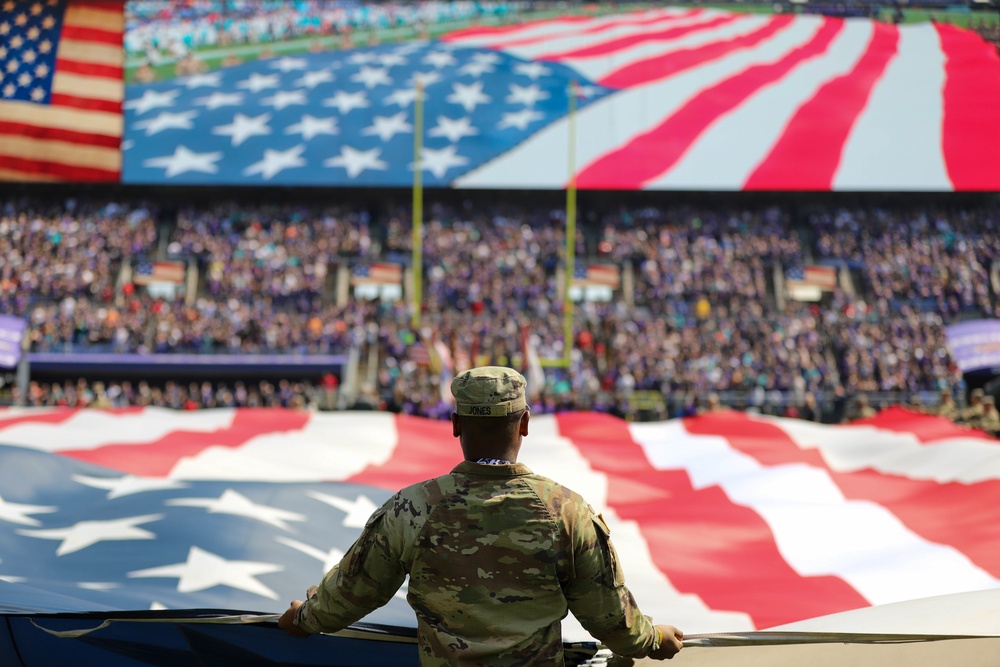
x=671 y=643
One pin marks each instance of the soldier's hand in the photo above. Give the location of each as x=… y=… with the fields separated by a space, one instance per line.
x=670 y=645
x=287 y=620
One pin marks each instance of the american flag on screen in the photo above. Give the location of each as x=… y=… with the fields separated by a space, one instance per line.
x=377 y=274
x=61 y=90
x=597 y=275
x=819 y=277
x=723 y=522
x=668 y=98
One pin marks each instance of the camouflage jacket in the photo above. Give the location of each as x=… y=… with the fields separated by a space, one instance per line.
x=496 y=556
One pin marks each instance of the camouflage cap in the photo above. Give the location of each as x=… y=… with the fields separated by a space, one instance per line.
x=488 y=391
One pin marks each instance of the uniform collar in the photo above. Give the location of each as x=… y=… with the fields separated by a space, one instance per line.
x=481 y=470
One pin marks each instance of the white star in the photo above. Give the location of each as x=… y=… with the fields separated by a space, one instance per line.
x=327 y=558
x=403 y=97
x=453 y=128
x=211 y=79
x=18 y=513
x=345 y=101
x=358 y=510
x=391 y=59
x=184 y=160
x=587 y=91
x=234 y=502
x=98 y=585
x=277 y=161
x=468 y=96
x=129 y=484
x=287 y=64
x=167 y=121
x=204 y=569
x=486 y=58
x=372 y=76
x=519 y=119
x=244 y=127
x=312 y=79
x=152 y=100
x=438 y=162
x=219 y=99
x=310 y=126
x=526 y=95
x=439 y=59
x=532 y=70
x=87 y=533
x=355 y=161
x=386 y=127
x=285 y=98
x=362 y=58
x=258 y=82
x=475 y=69
x=425 y=79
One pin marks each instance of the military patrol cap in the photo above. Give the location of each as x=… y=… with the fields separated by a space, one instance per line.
x=488 y=391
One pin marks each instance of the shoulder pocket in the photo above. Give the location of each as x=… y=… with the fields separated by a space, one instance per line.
x=365 y=541
x=617 y=577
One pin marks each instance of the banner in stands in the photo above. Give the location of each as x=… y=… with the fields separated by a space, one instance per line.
x=724 y=522
x=11 y=335
x=975 y=344
x=664 y=98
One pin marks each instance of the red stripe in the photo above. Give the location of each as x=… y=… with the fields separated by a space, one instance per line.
x=971 y=136
x=808 y=153
x=106 y=5
x=58 y=170
x=158 y=458
x=592 y=30
x=427 y=449
x=943 y=513
x=472 y=33
x=670 y=64
x=704 y=543
x=614 y=45
x=58 y=416
x=91 y=69
x=59 y=134
x=926 y=428
x=85 y=34
x=63 y=100
x=653 y=153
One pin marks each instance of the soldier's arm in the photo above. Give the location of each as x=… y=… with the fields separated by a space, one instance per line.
x=366 y=578
x=597 y=594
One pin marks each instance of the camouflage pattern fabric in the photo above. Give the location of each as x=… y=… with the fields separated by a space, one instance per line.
x=497 y=556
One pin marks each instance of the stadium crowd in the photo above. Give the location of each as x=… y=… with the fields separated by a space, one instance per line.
x=699 y=311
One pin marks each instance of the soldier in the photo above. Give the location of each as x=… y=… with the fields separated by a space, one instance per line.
x=990 y=419
x=974 y=411
x=946 y=406
x=496 y=555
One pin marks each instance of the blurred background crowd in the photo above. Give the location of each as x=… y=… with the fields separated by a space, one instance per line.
x=699 y=320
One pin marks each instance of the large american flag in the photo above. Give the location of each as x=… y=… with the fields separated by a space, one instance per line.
x=723 y=522
x=61 y=90
x=666 y=98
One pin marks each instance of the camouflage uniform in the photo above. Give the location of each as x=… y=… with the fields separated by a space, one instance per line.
x=496 y=556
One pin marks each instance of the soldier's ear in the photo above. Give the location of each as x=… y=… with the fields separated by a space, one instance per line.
x=523 y=425
x=456 y=425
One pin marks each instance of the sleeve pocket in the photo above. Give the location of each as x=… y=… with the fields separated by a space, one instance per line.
x=610 y=555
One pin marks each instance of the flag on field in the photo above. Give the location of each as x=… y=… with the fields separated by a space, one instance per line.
x=377 y=274
x=146 y=272
x=669 y=98
x=61 y=90
x=597 y=275
x=722 y=522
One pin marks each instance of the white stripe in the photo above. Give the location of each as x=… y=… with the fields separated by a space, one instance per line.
x=556 y=28
x=588 y=40
x=729 y=150
x=816 y=529
x=896 y=142
x=90 y=429
x=540 y=161
x=852 y=448
x=548 y=453
x=596 y=68
x=330 y=447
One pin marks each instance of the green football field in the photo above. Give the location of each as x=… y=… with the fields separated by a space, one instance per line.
x=213 y=57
